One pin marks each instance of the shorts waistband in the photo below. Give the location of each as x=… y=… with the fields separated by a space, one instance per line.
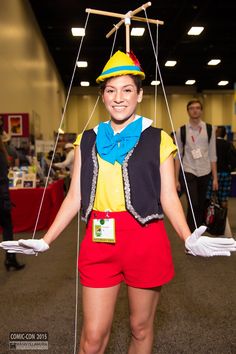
x=122 y=218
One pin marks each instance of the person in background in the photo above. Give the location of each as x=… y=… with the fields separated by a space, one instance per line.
x=223 y=148
x=68 y=163
x=24 y=154
x=11 y=262
x=198 y=153
x=123 y=182
x=12 y=155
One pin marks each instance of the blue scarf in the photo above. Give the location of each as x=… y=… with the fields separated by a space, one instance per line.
x=114 y=147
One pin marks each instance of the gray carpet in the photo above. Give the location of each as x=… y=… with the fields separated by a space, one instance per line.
x=196 y=314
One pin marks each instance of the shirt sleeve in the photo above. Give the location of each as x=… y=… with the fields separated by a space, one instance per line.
x=78 y=140
x=167 y=147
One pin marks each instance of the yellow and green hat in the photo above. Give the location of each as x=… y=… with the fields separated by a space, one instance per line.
x=121 y=64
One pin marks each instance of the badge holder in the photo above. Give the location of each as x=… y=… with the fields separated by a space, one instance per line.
x=196 y=153
x=104 y=230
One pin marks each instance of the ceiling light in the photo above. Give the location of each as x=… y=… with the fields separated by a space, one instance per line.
x=195 y=31
x=82 y=64
x=223 y=83
x=214 y=62
x=155 y=83
x=190 y=82
x=78 y=32
x=137 y=31
x=170 y=63
x=84 y=83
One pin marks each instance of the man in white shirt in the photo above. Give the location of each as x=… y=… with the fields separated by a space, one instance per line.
x=69 y=161
x=198 y=155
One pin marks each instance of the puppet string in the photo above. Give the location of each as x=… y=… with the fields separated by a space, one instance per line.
x=171 y=122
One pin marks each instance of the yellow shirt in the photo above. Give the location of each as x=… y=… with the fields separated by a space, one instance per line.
x=110 y=191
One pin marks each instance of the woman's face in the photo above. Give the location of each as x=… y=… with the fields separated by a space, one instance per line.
x=120 y=97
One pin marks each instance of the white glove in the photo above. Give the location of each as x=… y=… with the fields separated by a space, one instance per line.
x=31 y=246
x=198 y=245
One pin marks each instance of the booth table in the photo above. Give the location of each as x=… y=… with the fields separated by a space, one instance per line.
x=26 y=203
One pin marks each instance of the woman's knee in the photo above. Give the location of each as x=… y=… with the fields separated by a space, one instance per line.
x=93 y=341
x=141 y=329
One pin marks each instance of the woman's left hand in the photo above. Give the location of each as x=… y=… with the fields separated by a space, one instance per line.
x=198 y=245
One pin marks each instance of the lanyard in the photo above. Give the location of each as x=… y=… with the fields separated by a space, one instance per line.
x=199 y=132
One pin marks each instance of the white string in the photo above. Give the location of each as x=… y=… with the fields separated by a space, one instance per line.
x=58 y=132
x=155 y=91
x=47 y=180
x=77 y=286
x=171 y=122
x=114 y=40
x=91 y=115
x=77 y=257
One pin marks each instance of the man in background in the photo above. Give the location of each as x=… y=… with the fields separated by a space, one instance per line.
x=69 y=161
x=197 y=145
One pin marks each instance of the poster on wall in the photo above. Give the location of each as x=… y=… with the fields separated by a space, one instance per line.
x=15 y=125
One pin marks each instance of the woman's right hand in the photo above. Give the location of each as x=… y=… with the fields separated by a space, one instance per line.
x=29 y=247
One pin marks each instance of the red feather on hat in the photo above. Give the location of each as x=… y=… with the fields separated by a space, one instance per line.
x=134 y=59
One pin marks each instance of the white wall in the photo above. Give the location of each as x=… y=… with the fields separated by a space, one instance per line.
x=218 y=107
x=29 y=80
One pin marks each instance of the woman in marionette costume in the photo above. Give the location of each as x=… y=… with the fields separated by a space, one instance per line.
x=123 y=183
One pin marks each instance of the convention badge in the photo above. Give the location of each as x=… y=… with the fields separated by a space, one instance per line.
x=196 y=154
x=104 y=230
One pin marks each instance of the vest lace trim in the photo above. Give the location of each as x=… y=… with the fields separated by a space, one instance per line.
x=94 y=183
x=127 y=192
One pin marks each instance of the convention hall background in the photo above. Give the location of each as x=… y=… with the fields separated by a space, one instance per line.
x=197 y=313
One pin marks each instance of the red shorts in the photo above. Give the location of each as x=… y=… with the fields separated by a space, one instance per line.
x=141 y=256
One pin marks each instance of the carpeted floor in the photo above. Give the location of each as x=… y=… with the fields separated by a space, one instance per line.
x=196 y=314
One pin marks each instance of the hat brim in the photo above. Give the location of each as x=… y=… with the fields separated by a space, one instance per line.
x=105 y=76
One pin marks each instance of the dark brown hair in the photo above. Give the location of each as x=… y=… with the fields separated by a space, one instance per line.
x=136 y=79
x=194 y=101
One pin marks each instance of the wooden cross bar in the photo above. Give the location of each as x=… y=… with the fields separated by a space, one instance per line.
x=126 y=19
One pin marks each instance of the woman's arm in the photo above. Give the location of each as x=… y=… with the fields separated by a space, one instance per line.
x=170 y=201
x=214 y=176
x=70 y=205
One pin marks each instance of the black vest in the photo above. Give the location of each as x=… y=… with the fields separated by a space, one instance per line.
x=141 y=176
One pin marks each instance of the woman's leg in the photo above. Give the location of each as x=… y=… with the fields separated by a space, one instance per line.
x=6 y=223
x=143 y=304
x=11 y=262
x=98 y=310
